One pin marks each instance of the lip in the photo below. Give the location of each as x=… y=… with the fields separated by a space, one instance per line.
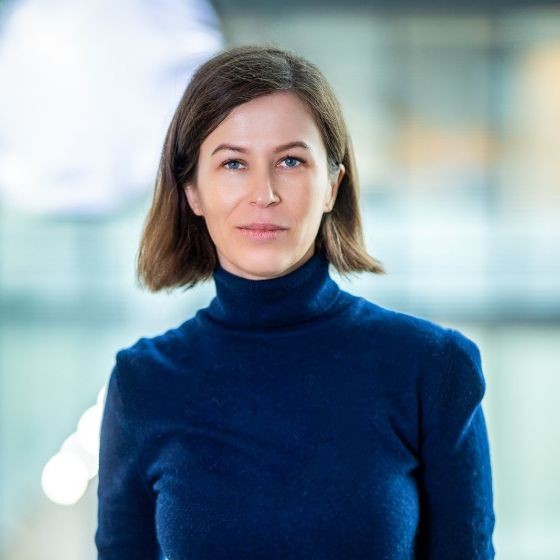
x=262 y=226
x=260 y=234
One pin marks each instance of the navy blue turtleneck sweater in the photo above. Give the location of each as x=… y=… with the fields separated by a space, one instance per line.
x=290 y=419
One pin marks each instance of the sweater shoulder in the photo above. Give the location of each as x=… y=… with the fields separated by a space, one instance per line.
x=150 y=357
x=421 y=334
x=443 y=358
x=407 y=333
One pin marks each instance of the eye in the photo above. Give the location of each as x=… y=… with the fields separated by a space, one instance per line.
x=293 y=159
x=226 y=164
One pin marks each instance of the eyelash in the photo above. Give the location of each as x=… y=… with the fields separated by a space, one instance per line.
x=287 y=157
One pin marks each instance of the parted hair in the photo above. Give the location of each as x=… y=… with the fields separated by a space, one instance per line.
x=176 y=249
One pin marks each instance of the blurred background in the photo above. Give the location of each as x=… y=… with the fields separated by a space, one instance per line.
x=454 y=114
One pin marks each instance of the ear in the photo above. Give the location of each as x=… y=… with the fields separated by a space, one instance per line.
x=335 y=183
x=191 y=193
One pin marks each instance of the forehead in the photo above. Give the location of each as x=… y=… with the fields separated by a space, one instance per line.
x=267 y=121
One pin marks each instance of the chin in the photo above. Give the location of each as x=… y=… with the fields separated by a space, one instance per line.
x=262 y=265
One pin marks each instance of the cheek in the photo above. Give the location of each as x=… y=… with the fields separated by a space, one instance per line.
x=219 y=210
x=309 y=199
x=219 y=198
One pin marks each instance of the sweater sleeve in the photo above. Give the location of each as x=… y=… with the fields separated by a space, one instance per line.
x=456 y=460
x=126 y=526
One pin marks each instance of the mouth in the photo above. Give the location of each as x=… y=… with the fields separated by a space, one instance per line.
x=262 y=232
x=263 y=227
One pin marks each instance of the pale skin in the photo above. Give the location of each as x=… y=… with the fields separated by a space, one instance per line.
x=266 y=182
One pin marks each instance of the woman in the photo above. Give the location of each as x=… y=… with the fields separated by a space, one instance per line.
x=289 y=418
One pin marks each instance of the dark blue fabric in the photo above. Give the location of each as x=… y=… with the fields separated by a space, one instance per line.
x=291 y=419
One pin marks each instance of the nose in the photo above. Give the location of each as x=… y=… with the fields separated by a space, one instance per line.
x=263 y=192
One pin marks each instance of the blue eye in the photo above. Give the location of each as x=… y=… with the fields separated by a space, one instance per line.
x=231 y=161
x=293 y=159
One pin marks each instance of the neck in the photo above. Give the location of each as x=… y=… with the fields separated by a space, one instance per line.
x=303 y=294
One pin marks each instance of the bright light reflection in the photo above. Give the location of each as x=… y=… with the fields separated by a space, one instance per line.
x=88 y=89
x=64 y=478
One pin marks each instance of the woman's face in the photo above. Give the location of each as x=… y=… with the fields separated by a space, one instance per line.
x=247 y=174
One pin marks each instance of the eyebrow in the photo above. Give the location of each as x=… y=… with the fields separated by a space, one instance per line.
x=296 y=144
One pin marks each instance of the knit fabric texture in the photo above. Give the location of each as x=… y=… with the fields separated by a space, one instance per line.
x=290 y=419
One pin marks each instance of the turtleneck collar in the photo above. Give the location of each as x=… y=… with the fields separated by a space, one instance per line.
x=303 y=294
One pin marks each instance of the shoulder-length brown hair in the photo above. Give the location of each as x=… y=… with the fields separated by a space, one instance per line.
x=176 y=249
